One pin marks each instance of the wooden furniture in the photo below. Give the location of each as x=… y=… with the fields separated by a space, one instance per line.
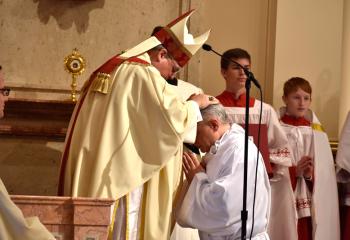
x=36 y=118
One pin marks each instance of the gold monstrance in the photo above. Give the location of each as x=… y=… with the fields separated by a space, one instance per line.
x=74 y=64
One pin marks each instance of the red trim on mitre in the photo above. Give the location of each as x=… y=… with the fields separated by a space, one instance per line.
x=174 y=46
x=172 y=23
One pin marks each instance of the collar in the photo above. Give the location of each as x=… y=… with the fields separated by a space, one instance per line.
x=214 y=148
x=173 y=81
x=228 y=100
x=295 y=121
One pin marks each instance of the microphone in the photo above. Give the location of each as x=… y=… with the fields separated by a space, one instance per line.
x=249 y=74
x=207 y=47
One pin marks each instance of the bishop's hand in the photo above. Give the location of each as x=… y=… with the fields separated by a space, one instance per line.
x=203 y=100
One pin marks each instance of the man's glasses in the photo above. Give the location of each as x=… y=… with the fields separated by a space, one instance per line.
x=5 y=91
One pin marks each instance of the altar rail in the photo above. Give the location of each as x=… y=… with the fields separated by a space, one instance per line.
x=69 y=218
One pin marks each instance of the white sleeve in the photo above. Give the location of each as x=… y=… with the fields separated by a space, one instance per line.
x=202 y=205
x=208 y=205
x=190 y=136
x=279 y=149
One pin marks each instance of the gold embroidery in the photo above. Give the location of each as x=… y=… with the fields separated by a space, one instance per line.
x=111 y=226
x=141 y=234
x=317 y=127
x=102 y=83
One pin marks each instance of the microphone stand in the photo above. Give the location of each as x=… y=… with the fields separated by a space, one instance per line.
x=250 y=78
x=244 y=212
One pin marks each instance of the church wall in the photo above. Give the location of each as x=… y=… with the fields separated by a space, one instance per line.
x=308 y=45
x=30 y=165
x=246 y=24
x=36 y=35
x=285 y=39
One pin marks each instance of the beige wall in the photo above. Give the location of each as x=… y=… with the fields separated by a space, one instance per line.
x=30 y=166
x=240 y=23
x=37 y=35
x=344 y=106
x=308 y=44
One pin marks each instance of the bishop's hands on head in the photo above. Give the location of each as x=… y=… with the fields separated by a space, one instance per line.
x=203 y=100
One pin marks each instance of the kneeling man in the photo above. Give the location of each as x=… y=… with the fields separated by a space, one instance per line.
x=213 y=202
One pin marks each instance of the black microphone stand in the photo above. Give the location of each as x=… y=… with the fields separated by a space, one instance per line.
x=244 y=212
x=250 y=78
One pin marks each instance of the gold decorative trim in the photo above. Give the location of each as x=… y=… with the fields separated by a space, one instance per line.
x=334 y=146
x=111 y=226
x=101 y=83
x=143 y=212
x=317 y=127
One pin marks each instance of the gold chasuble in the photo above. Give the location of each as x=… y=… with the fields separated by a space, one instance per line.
x=127 y=130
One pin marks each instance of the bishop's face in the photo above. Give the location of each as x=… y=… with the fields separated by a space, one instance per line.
x=169 y=68
x=297 y=103
x=235 y=76
x=165 y=64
